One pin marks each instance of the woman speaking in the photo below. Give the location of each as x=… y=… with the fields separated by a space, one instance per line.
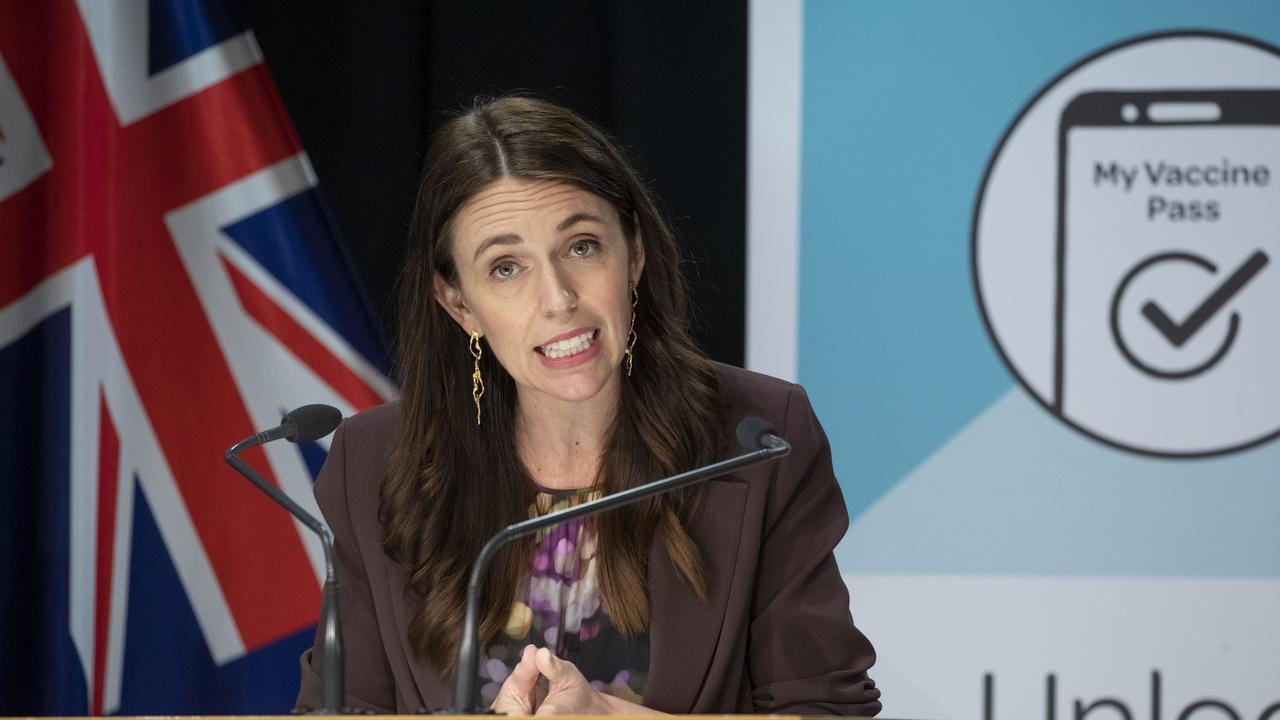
x=544 y=359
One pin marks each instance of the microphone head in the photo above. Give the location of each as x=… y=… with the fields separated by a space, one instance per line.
x=751 y=429
x=312 y=422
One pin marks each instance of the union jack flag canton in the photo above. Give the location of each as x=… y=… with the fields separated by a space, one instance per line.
x=169 y=282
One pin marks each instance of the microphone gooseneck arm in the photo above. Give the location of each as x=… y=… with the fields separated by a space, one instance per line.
x=234 y=460
x=466 y=690
x=333 y=677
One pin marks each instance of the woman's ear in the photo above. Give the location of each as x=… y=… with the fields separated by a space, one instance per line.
x=450 y=298
x=635 y=267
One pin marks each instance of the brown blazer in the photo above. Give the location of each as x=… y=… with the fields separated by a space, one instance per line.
x=775 y=637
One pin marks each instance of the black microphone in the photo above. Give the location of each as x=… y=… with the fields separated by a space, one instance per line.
x=307 y=423
x=757 y=436
x=754 y=432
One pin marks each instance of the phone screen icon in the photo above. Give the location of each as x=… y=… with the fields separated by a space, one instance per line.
x=1167 y=310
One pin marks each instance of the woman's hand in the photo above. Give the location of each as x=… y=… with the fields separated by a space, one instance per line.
x=567 y=693
x=519 y=692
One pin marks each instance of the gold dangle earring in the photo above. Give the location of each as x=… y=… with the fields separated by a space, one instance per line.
x=477 y=382
x=631 y=334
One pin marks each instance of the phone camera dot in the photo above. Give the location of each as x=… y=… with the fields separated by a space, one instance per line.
x=1129 y=112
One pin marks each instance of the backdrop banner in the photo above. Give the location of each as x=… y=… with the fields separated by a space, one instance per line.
x=1039 y=315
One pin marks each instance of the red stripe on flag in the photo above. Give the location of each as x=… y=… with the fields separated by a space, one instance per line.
x=298 y=340
x=108 y=485
x=204 y=142
x=29 y=253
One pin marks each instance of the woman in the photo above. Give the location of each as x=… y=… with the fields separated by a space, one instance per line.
x=544 y=359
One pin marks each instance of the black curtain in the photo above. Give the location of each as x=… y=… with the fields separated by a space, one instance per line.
x=365 y=83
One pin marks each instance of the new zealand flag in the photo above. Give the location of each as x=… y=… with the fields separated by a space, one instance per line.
x=169 y=282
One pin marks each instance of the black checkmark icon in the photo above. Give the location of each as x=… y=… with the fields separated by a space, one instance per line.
x=1179 y=333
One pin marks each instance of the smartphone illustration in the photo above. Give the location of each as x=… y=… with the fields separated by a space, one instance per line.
x=1167 y=308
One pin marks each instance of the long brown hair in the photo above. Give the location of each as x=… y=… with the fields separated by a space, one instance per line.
x=449 y=485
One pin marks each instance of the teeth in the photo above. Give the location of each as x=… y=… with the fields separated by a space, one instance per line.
x=572 y=346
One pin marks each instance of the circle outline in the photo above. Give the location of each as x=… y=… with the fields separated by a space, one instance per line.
x=977 y=213
x=1131 y=356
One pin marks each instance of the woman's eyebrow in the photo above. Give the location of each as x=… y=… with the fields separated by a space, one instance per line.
x=576 y=218
x=505 y=239
x=513 y=239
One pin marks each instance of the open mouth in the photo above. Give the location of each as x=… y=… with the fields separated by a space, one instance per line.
x=568 y=347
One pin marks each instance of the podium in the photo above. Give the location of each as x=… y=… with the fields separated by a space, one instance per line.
x=452 y=716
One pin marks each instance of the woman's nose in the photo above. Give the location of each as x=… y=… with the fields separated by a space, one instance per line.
x=557 y=294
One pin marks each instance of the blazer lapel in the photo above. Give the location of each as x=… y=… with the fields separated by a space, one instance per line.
x=433 y=691
x=684 y=631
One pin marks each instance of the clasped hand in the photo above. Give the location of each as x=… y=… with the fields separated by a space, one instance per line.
x=567 y=692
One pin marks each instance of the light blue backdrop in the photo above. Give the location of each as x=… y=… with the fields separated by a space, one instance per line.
x=903 y=106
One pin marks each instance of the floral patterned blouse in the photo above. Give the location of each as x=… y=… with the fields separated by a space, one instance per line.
x=558 y=607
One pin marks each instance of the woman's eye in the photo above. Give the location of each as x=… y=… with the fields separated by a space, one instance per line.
x=504 y=270
x=582 y=248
